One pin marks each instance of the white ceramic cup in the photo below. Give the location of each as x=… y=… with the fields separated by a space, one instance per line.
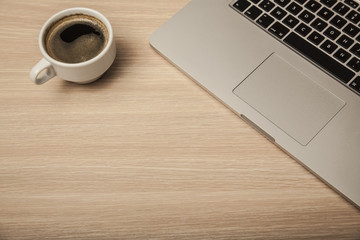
x=83 y=72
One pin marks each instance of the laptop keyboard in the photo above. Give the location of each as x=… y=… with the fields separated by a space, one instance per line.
x=326 y=32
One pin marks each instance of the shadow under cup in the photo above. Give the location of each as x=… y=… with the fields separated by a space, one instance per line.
x=76 y=38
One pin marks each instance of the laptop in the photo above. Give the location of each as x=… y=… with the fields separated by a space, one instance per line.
x=291 y=69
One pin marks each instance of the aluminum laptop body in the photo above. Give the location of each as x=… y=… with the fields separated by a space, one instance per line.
x=302 y=107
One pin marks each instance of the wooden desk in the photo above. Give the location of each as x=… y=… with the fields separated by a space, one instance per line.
x=144 y=153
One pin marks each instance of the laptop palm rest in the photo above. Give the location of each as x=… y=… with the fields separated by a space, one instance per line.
x=289 y=99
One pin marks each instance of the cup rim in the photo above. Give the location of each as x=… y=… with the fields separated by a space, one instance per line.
x=69 y=12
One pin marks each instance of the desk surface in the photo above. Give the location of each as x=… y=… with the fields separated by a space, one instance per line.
x=143 y=153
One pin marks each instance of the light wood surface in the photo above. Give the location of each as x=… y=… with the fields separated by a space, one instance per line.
x=143 y=153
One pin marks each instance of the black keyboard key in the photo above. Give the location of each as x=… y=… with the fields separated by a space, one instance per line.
x=265 y=20
x=353 y=16
x=319 y=57
x=282 y=3
x=253 y=12
x=255 y=1
x=356 y=49
x=345 y=41
x=354 y=63
x=319 y=24
x=325 y=13
x=301 y=1
x=328 y=46
x=303 y=29
x=278 y=30
x=316 y=38
x=294 y=8
x=241 y=5
x=338 y=22
x=267 y=5
x=306 y=16
x=351 y=30
x=352 y=3
x=329 y=3
x=356 y=84
x=290 y=21
x=332 y=33
x=341 y=8
x=313 y=5
x=342 y=55
x=278 y=13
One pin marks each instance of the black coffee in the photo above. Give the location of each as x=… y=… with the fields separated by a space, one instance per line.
x=76 y=38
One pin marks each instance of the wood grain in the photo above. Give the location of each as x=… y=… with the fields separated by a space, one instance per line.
x=143 y=153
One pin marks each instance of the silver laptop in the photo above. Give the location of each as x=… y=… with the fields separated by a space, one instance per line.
x=289 y=68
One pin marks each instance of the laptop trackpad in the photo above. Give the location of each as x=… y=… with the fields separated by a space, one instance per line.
x=289 y=99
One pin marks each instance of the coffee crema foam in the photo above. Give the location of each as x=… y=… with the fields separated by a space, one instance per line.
x=76 y=38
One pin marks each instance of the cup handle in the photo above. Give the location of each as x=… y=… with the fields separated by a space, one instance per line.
x=42 y=72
